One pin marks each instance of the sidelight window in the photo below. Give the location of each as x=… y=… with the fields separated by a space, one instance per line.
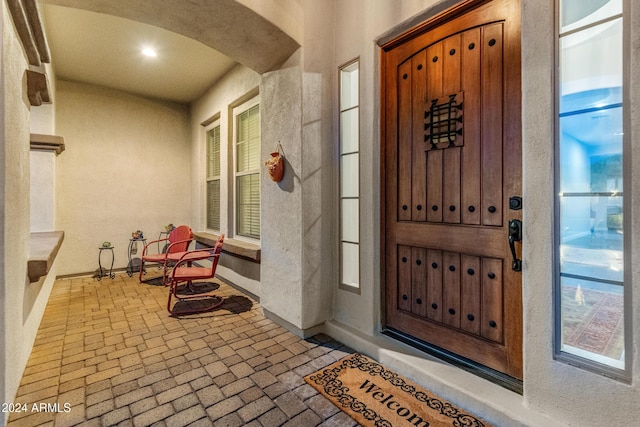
x=591 y=262
x=349 y=177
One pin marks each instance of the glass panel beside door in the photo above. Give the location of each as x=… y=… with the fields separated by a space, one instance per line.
x=590 y=281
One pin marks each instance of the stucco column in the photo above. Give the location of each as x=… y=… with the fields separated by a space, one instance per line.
x=291 y=233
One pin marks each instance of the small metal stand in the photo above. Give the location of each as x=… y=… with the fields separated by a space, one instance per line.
x=103 y=272
x=164 y=248
x=134 y=262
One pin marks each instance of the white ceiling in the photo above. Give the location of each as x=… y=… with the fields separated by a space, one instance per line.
x=105 y=50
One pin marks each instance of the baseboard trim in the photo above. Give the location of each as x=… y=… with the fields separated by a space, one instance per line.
x=302 y=333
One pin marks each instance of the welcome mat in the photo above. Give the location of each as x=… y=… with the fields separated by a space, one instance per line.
x=375 y=396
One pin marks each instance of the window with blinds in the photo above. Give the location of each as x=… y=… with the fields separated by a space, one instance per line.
x=247 y=172
x=213 y=178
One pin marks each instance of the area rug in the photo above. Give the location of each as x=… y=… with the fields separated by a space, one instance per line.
x=593 y=320
x=375 y=396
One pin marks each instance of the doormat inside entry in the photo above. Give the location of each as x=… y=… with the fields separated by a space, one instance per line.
x=375 y=396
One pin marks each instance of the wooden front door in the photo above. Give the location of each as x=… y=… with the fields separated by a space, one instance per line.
x=451 y=168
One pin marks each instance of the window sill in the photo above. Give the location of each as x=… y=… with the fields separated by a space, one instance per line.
x=44 y=247
x=233 y=247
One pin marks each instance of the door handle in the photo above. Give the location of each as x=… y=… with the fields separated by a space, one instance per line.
x=515 y=235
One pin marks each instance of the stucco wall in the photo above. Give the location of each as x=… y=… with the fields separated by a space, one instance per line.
x=15 y=219
x=319 y=224
x=378 y=21
x=362 y=311
x=125 y=168
x=297 y=213
x=43 y=118
x=42 y=190
x=285 y=14
x=105 y=186
x=43 y=164
x=233 y=89
x=567 y=395
x=221 y=25
x=297 y=269
x=281 y=204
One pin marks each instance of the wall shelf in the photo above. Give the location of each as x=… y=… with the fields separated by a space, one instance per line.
x=44 y=248
x=47 y=143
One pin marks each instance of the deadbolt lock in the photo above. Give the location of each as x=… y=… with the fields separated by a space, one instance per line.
x=515 y=203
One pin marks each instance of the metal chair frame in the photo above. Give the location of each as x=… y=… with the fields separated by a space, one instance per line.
x=171 y=254
x=189 y=269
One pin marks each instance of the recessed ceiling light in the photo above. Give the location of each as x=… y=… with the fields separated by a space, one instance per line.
x=147 y=51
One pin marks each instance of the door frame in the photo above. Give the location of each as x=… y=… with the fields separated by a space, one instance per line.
x=514 y=130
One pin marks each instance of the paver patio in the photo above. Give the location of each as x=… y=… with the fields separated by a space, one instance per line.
x=107 y=353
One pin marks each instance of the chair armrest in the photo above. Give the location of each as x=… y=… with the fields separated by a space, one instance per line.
x=144 y=250
x=177 y=243
x=196 y=255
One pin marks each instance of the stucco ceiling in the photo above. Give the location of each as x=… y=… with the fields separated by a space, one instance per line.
x=106 y=50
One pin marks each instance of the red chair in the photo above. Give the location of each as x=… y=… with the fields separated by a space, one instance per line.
x=177 y=244
x=188 y=269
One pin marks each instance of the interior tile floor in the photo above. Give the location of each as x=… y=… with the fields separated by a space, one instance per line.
x=107 y=353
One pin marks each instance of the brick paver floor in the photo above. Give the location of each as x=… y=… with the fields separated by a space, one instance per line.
x=107 y=353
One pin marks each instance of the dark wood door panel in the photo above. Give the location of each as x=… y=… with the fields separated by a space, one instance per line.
x=463 y=239
x=471 y=291
x=457 y=290
x=451 y=159
x=434 y=285
x=405 y=142
x=419 y=158
x=451 y=289
x=493 y=355
x=470 y=194
x=491 y=124
x=461 y=183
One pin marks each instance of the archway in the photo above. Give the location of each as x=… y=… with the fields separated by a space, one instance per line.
x=225 y=25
